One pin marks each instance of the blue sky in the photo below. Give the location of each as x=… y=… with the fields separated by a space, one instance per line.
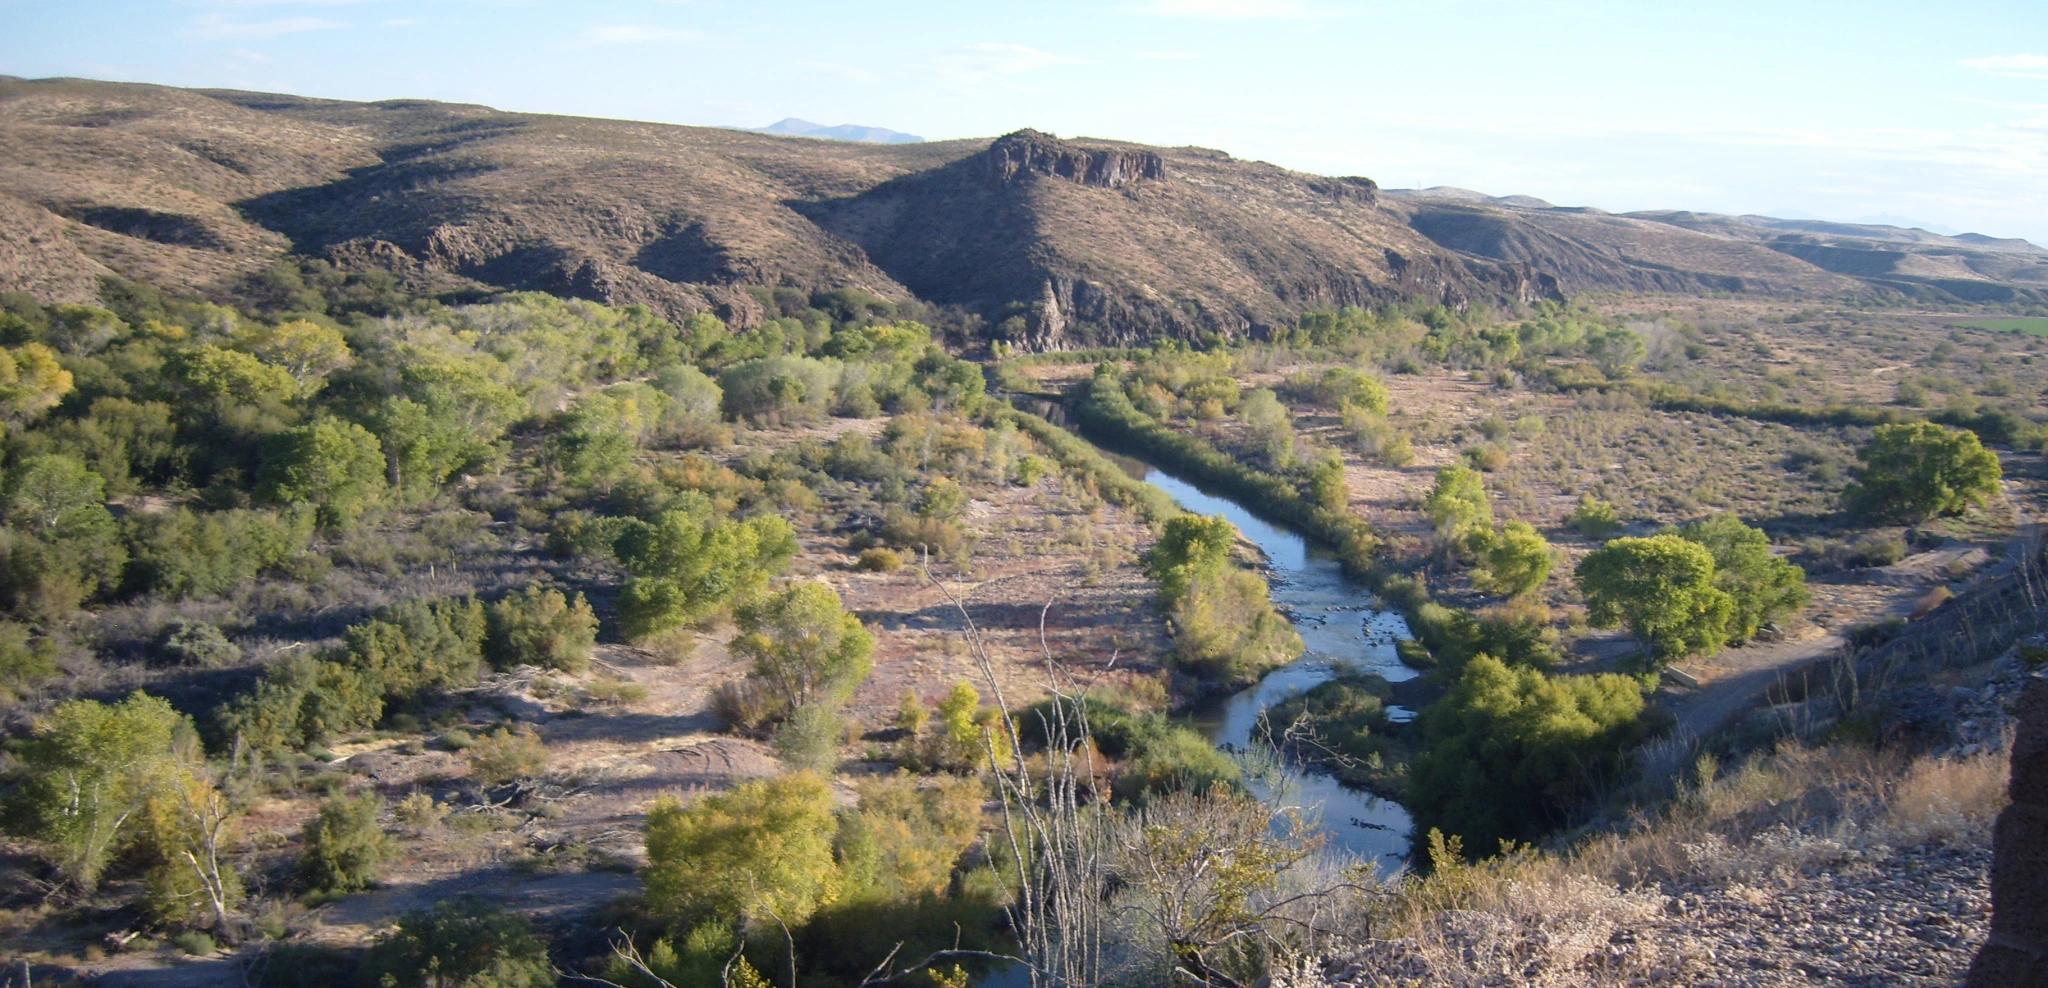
x=1936 y=112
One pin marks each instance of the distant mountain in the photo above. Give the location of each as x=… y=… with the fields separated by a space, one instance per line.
x=1056 y=243
x=792 y=127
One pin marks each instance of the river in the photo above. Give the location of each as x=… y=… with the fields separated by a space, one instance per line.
x=1344 y=629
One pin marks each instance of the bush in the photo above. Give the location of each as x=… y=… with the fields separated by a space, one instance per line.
x=764 y=847
x=1913 y=471
x=539 y=627
x=197 y=643
x=969 y=734
x=1514 y=562
x=507 y=755
x=1509 y=753
x=804 y=645
x=1176 y=760
x=26 y=662
x=345 y=849
x=809 y=738
x=1458 y=504
x=182 y=553
x=879 y=560
x=1225 y=628
x=1594 y=519
x=690 y=564
x=299 y=701
x=195 y=943
x=460 y=944
x=409 y=648
x=779 y=390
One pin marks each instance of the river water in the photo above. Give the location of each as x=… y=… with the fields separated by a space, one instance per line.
x=1344 y=629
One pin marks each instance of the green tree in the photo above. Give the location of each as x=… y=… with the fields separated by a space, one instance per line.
x=1595 y=519
x=540 y=627
x=460 y=944
x=971 y=736
x=1913 y=471
x=804 y=644
x=334 y=465
x=234 y=376
x=31 y=382
x=1270 y=425
x=1514 y=562
x=1762 y=586
x=1663 y=589
x=760 y=852
x=691 y=564
x=1508 y=753
x=63 y=546
x=1191 y=549
x=345 y=848
x=305 y=350
x=448 y=418
x=1327 y=486
x=89 y=771
x=1458 y=505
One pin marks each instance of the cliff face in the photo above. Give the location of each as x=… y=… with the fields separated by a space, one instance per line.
x=1028 y=152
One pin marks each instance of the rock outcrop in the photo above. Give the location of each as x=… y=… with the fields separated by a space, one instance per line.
x=2016 y=955
x=1028 y=152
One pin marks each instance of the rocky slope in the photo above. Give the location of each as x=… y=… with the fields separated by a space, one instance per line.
x=1056 y=243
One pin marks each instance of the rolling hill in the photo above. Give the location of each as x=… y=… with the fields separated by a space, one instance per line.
x=1056 y=243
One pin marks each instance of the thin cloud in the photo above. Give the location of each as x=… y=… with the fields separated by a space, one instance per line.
x=215 y=27
x=988 y=58
x=1231 y=10
x=2019 y=66
x=637 y=34
x=1165 y=55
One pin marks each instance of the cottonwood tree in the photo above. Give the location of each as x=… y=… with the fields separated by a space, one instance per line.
x=91 y=770
x=1663 y=589
x=1761 y=586
x=1914 y=471
x=805 y=645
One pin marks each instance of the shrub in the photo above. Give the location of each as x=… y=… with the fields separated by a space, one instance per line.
x=539 y=627
x=879 y=560
x=809 y=738
x=197 y=643
x=804 y=645
x=747 y=706
x=1509 y=753
x=1663 y=589
x=182 y=553
x=969 y=734
x=507 y=755
x=779 y=389
x=414 y=646
x=345 y=849
x=691 y=564
x=1176 y=760
x=1487 y=457
x=195 y=943
x=1913 y=471
x=301 y=700
x=903 y=840
x=26 y=662
x=1458 y=505
x=1594 y=519
x=460 y=944
x=765 y=846
x=1514 y=562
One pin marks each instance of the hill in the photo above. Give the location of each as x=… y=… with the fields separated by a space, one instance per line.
x=1053 y=242
x=793 y=127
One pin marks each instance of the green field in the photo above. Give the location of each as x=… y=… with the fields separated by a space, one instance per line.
x=2034 y=325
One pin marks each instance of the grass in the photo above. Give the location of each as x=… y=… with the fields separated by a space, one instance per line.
x=2030 y=325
